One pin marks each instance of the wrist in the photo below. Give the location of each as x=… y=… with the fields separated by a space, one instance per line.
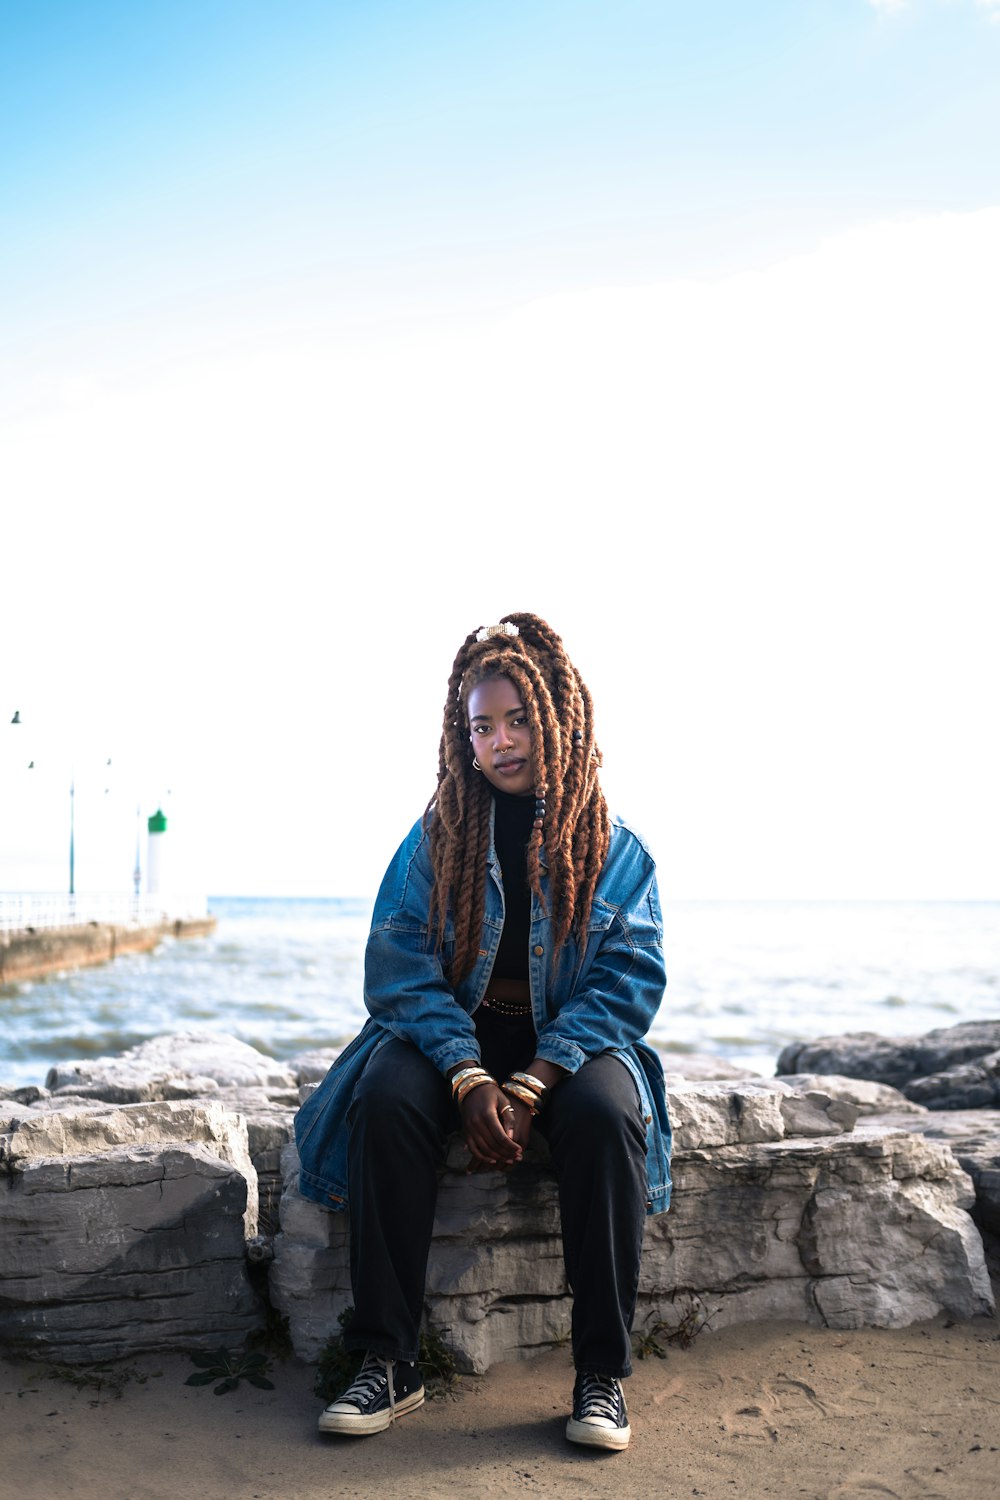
x=546 y=1072
x=465 y=1080
x=527 y=1089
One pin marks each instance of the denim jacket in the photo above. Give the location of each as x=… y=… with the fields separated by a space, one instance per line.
x=600 y=996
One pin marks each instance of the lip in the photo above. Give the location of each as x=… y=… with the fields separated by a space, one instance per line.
x=508 y=767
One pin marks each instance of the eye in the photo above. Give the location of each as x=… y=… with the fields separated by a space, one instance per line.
x=480 y=729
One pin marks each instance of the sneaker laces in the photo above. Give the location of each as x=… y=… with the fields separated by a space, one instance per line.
x=365 y=1385
x=599 y=1397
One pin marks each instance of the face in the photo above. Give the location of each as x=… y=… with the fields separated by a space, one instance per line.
x=501 y=739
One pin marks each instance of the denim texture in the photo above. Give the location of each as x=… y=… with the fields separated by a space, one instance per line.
x=600 y=994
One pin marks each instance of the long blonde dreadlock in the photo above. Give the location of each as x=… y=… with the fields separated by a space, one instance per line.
x=565 y=761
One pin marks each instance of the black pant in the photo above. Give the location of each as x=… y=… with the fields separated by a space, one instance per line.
x=400 y=1120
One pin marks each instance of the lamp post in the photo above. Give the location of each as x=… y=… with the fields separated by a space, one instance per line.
x=137 y=872
x=72 y=837
x=17 y=719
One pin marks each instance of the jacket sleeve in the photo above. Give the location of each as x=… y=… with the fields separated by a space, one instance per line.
x=620 y=987
x=406 y=990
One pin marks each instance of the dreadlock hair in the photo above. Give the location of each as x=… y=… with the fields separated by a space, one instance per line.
x=575 y=828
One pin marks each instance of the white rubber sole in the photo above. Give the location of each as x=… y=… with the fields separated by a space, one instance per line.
x=353 y=1424
x=593 y=1436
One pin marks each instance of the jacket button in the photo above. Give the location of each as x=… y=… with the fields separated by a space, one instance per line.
x=649 y=1120
x=539 y=950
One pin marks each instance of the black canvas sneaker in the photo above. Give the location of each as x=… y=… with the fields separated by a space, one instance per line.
x=600 y=1419
x=381 y=1391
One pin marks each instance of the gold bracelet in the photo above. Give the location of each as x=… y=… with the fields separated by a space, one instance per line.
x=461 y=1076
x=472 y=1083
x=522 y=1095
x=530 y=1081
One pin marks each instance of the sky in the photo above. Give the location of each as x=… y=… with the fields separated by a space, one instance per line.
x=332 y=331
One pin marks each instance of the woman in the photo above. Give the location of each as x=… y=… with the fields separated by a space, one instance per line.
x=513 y=966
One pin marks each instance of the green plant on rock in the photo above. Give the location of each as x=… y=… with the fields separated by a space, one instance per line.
x=229 y=1367
x=338 y=1366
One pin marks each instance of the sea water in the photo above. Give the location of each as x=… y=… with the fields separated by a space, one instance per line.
x=744 y=978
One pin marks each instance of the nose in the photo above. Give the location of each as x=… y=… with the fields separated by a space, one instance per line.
x=502 y=740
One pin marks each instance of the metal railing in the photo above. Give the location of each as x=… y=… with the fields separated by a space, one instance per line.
x=40 y=912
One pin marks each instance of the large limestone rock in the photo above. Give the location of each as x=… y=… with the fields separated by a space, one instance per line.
x=973 y=1136
x=313 y=1066
x=200 y=1066
x=781 y=1210
x=123 y=1229
x=700 y=1067
x=971 y=1085
x=868 y=1098
x=189 y=1064
x=897 y=1061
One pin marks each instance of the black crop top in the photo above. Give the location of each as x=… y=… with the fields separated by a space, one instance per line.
x=511 y=831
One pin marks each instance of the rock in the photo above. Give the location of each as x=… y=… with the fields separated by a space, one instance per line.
x=170 y=1067
x=842 y=1228
x=122 y=1230
x=27 y=1094
x=893 y=1060
x=727 y=1114
x=700 y=1067
x=88 y=1132
x=312 y=1067
x=868 y=1098
x=270 y=1126
x=973 y=1137
x=971 y=1085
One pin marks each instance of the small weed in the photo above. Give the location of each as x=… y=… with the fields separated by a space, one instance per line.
x=274 y=1339
x=338 y=1366
x=229 y=1367
x=437 y=1363
x=649 y=1344
x=103 y=1379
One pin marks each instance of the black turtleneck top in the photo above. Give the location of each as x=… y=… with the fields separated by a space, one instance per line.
x=512 y=825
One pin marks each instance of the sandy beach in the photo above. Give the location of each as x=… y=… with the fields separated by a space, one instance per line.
x=777 y=1409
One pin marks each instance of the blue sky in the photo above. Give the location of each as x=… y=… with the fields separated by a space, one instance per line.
x=171 y=156
x=333 y=330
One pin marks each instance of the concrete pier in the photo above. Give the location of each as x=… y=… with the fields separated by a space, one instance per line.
x=31 y=953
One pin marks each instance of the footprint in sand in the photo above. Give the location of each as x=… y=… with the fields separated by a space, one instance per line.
x=682 y=1388
x=862 y=1489
x=786 y=1403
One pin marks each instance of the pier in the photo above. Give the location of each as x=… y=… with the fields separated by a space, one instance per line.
x=44 y=934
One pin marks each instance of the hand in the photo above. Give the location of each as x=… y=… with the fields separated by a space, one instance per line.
x=519 y=1123
x=495 y=1139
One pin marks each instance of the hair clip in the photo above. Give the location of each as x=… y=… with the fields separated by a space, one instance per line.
x=507 y=628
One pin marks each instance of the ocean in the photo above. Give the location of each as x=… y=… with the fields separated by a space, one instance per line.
x=744 y=978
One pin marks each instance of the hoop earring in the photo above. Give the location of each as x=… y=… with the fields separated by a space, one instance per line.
x=475 y=764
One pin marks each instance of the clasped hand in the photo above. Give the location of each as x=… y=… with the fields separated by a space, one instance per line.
x=496 y=1128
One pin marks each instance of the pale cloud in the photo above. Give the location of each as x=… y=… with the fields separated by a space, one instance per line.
x=756 y=508
x=896 y=7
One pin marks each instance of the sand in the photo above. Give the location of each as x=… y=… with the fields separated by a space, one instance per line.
x=774 y=1409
